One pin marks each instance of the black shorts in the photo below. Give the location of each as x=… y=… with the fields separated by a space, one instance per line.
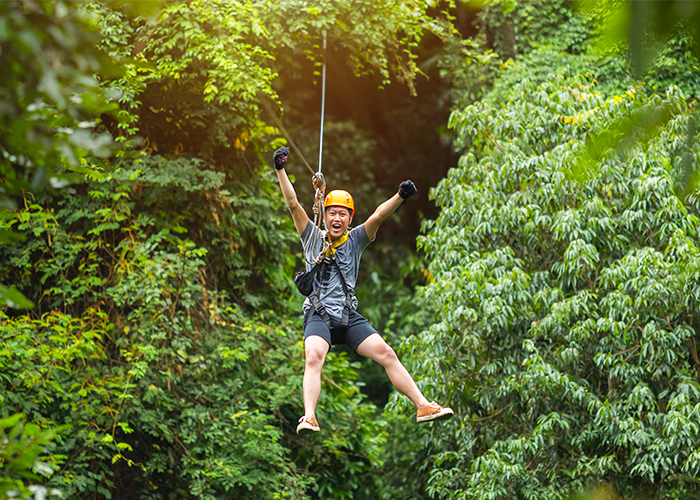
x=357 y=331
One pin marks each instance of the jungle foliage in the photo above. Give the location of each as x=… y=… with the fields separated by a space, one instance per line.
x=567 y=307
x=563 y=266
x=50 y=102
x=162 y=357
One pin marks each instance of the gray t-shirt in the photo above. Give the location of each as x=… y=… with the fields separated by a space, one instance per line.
x=347 y=256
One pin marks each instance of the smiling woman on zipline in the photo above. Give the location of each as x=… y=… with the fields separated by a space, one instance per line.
x=330 y=315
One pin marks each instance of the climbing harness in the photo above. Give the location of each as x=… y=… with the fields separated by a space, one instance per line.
x=324 y=268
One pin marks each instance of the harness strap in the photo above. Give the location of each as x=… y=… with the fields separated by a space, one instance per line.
x=349 y=294
x=317 y=306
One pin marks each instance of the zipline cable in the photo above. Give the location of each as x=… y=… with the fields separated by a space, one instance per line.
x=323 y=105
x=264 y=100
x=318 y=181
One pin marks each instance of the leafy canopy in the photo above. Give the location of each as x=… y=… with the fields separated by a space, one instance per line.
x=567 y=305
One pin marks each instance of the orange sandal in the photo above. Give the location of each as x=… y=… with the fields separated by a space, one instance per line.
x=433 y=411
x=307 y=425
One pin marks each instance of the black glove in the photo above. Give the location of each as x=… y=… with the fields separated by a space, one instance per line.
x=280 y=157
x=407 y=189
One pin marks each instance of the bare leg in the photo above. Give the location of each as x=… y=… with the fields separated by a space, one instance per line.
x=316 y=349
x=375 y=348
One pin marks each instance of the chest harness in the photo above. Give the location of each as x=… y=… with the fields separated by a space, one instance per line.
x=323 y=268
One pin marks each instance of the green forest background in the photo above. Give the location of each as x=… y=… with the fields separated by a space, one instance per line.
x=545 y=282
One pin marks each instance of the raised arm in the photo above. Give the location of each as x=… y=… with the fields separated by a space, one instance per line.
x=299 y=216
x=383 y=211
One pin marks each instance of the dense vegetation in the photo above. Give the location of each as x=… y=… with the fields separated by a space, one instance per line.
x=563 y=267
x=151 y=342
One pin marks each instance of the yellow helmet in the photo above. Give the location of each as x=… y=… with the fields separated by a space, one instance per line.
x=340 y=198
